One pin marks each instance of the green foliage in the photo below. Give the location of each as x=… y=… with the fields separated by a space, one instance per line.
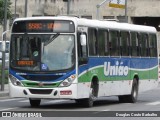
x=6 y=76
x=9 y=13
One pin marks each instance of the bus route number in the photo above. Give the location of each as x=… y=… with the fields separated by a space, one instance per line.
x=34 y=26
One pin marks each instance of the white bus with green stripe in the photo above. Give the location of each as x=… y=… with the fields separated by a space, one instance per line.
x=73 y=58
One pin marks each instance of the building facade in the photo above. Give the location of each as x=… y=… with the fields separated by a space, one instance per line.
x=138 y=11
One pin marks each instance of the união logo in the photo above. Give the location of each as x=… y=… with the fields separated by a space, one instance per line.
x=118 y=69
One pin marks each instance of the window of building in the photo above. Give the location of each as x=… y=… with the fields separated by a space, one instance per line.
x=36 y=15
x=122 y=19
x=87 y=17
x=108 y=17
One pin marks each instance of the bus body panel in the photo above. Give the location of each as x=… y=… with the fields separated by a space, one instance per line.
x=115 y=73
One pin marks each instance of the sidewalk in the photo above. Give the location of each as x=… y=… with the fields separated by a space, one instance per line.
x=4 y=93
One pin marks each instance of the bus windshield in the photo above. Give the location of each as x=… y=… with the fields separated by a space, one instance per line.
x=51 y=52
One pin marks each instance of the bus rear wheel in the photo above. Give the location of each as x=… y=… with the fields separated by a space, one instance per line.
x=132 y=98
x=34 y=102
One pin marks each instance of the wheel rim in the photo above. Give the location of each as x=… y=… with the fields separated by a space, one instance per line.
x=135 y=92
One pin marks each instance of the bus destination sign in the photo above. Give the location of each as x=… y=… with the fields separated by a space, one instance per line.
x=40 y=26
x=43 y=26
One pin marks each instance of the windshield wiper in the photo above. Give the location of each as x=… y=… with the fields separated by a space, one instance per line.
x=51 y=39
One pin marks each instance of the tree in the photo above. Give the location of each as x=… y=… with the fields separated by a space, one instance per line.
x=9 y=13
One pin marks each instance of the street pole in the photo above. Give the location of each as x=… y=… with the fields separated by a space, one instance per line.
x=126 y=11
x=26 y=3
x=68 y=7
x=15 y=9
x=97 y=16
x=3 y=51
x=98 y=6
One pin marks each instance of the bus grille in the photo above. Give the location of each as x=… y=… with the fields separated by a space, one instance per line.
x=41 y=77
x=49 y=85
x=40 y=91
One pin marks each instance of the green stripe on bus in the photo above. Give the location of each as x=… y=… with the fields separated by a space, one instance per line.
x=99 y=72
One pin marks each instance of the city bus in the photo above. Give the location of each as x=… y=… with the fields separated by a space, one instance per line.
x=73 y=58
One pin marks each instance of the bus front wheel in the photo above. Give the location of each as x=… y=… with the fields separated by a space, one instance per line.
x=34 y=102
x=88 y=102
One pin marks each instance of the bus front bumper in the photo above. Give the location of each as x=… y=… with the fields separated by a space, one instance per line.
x=54 y=93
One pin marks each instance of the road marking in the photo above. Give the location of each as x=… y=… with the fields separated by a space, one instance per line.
x=154 y=103
x=51 y=101
x=9 y=109
x=24 y=101
x=101 y=111
x=55 y=101
x=6 y=100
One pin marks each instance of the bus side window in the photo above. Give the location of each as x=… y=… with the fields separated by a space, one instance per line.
x=152 y=45
x=103 y=43
x=134 y=44
x=144 y=45
x=124 y=43
x=139 y=44
x=114 y=43
x=92 y=39
x=107 y=44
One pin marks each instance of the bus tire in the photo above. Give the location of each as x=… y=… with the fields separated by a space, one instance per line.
x=34 y=102
x=132 y=98
x=88 y=102
x=122 y=98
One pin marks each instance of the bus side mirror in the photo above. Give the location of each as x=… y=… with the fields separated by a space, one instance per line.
x=3 y=46
x=83 y=40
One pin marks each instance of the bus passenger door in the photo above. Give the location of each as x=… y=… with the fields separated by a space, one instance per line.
x=83 y=86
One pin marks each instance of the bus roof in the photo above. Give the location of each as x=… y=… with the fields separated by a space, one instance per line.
x=97 y=23
x=116 y=25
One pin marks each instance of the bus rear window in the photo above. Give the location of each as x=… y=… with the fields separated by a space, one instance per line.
x=43 y=26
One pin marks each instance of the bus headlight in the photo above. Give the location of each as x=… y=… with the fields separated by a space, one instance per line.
x=15 y=81
x=68 y=81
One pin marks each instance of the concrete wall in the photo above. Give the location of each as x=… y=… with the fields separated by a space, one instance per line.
x=86 y=8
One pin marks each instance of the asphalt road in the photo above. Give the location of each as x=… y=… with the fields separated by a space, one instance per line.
x=148 y=104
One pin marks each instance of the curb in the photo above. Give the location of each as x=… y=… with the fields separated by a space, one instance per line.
x=4 y=94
